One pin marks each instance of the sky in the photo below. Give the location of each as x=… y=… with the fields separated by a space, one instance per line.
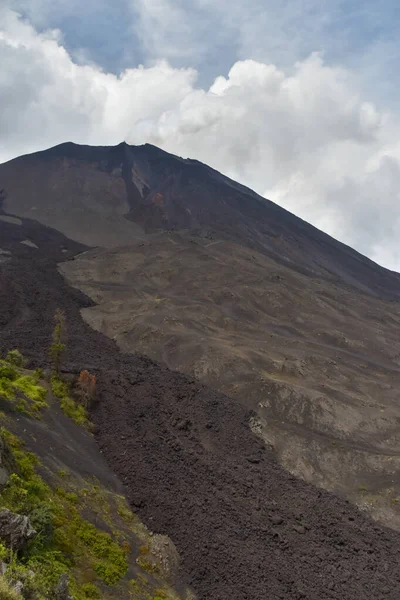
x=297 y=99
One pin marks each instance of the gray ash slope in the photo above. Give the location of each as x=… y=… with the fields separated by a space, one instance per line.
x=192 y=468
x=116 y=194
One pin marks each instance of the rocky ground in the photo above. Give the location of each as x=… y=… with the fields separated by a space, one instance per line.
x=317 y=360
x=200 y=273
x=191 y=466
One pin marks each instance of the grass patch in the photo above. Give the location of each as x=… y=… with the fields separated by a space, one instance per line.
x=74 y=411
x=22 y=389
x=124 y=511
x=91 y=591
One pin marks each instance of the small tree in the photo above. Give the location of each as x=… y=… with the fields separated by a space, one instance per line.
x=86 y=388
x=57 y=347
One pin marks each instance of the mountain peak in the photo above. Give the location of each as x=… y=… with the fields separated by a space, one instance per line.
x=111 y=195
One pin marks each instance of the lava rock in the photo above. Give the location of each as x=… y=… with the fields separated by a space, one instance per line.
x=276 y=519
x=62 y=589
x=299 y=528
x=15 y=530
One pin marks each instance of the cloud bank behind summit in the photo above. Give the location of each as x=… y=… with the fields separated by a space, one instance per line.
x=305 y=137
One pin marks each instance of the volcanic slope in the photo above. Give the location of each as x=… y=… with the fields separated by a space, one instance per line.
x=83 y=487
x=319 y=363
x=108 y=196
x=192 y=467
x=245 y=296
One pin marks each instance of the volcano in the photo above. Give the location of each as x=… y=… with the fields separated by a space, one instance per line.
x=248 y=365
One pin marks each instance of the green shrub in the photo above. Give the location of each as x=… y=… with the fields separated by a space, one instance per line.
x=124 y=511
x=17 y=571
x=113 y=562
x=7 y=371
x=42 y=519
x=14 y=357
x=57 y=347
x=65 y=540
x=13 y=385
x=72 y=409
x=36 y=393
x=108 y=572
x=89 y=590
x=7 y=390
x=6 y=591
x=59 y=387
x=38 y=374
x=7 y=375
x=48 y=566
x=3 y=551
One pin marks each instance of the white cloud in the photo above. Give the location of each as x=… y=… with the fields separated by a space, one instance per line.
x=165 y=29
x=305 y=138
x=213 y=34
x=46 y=98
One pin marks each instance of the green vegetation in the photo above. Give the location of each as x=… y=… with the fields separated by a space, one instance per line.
x=7 y=592
x=91 y=591
x=57 y=347
x=22 y=388
x=69 y=406
x=138 y=590
x=85 y=532
x=145 y=560
x=124 y=511
x=66 y=542
x=74 y=410
x=14 y=357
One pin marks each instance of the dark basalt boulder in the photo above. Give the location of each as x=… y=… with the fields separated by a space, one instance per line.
x=15 y=530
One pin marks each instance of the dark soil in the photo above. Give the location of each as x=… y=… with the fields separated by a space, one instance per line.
x=246 y=529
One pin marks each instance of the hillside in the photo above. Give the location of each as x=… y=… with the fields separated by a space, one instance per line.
x=307 y=361
x=319 y=363
x=58 y=474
